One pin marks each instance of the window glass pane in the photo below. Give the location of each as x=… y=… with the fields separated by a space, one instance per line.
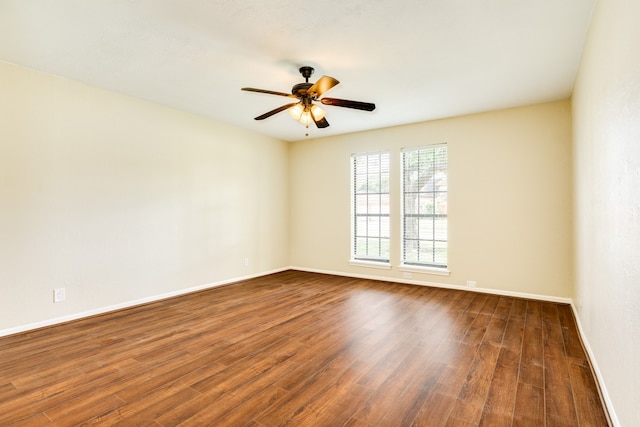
x=361 y=246
x=426 y=203
x=373 y=165
x=361 y=226
x=425 y=230
x=373 y=247
x=411 y=250
x=384 y=204
x=440 y=204
x=384 y=248
x=440 y=253
x=411 y=228
x=409 y=204
x=384 y=226
x=426 y=252
x=361 y=204
x=373 y=228
x=374 y=204
x=384 y=182
x=440 y=229
x=361 y=183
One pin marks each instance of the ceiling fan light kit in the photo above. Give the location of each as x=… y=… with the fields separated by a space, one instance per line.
x=305 y=111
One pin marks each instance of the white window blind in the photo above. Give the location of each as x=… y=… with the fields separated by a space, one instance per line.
x=370 y=206
x=424 y=206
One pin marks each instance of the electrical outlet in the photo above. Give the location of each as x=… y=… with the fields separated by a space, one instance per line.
x=472 y=283
x=246 y=262
x=59 y=295
x=406 y=275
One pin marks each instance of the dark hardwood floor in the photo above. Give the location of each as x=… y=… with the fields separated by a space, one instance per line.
x=304 y=349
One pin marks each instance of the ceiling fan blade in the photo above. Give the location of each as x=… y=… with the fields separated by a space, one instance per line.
x=276 y=111
x=366 y=106
x=322 y=123
x=323 y=84
x=270 y=92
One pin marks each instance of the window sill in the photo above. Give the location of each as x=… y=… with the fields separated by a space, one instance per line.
x=370 y=264
x=427 y=270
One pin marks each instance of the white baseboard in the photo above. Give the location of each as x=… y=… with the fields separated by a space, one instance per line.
x=128 y=304
x=440 y=285
x=604 y=394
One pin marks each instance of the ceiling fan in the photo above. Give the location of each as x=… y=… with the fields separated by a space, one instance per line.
x=305 y=110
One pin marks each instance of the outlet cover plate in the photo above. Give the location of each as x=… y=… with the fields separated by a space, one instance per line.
x=59 y=295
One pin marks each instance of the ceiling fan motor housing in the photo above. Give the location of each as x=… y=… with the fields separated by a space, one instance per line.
x=301 y=89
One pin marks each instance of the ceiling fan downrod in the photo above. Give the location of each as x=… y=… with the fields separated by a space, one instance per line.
x=306 y=72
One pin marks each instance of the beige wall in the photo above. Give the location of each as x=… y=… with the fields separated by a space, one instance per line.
x=117 y=199
x=510 y=199
x=606 y=105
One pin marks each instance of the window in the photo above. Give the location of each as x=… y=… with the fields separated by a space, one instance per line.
x=424 y=206
x=370 y=207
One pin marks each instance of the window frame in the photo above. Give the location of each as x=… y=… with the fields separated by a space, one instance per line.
x=356 y=257
x=433 y=267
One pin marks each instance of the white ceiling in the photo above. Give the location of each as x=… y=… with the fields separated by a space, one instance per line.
x=417 y=60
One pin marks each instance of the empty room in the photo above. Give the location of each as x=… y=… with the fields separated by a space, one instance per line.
x=335 y=213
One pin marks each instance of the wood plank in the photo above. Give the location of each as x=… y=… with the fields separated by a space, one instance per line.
x=529 y=407
x=513 y=334
x=571 y=339
x=557 y=382
x=588 y=406
x=498 y=409
x=532 y=361
x=472 y=396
